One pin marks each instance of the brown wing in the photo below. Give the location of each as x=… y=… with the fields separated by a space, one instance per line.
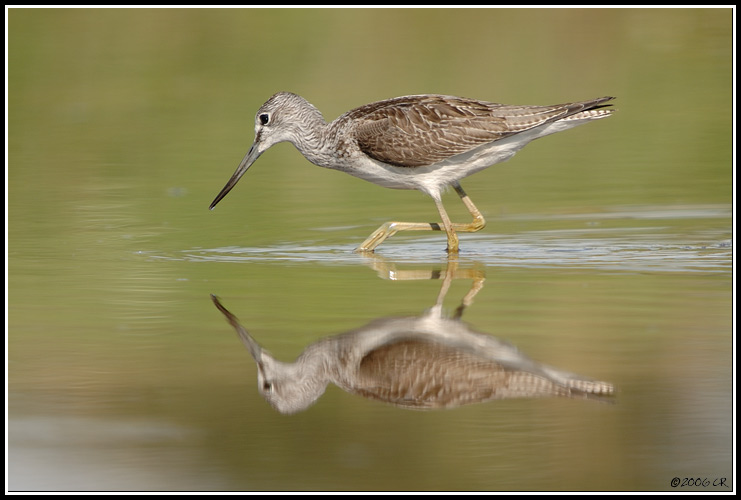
x=415 y=131
x=424 y=375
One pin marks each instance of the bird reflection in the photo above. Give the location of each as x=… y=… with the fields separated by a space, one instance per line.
x=420 y=362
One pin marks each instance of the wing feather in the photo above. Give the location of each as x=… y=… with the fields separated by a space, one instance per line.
x=421 y=374
x=415 y=131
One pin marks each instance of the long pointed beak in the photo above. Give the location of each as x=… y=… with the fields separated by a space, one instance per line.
x=252 y=155
x=248 y=341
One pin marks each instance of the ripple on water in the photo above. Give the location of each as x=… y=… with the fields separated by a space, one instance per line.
x=632 y=247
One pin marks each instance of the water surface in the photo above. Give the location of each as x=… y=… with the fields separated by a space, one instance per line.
x=608 y=250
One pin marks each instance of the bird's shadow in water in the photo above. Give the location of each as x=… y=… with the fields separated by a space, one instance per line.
x=430 y=361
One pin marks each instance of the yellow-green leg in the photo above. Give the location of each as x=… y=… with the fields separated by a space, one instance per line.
x=391 y=228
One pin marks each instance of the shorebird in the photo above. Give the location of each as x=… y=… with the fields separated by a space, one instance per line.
x=422 y=363
x=426 y=142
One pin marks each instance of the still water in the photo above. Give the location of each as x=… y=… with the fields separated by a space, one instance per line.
x=608 y=251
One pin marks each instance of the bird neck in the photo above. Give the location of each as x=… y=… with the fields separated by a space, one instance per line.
x=311 y=139
x=314 y=362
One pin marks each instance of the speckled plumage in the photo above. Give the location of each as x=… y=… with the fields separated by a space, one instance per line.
x=425 y=142
x=418 y=131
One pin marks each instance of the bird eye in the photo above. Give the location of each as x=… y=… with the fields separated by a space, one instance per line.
x=264 y=118
x=267 y=387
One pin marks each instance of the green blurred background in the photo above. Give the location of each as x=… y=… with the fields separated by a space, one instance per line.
x=123 y=124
